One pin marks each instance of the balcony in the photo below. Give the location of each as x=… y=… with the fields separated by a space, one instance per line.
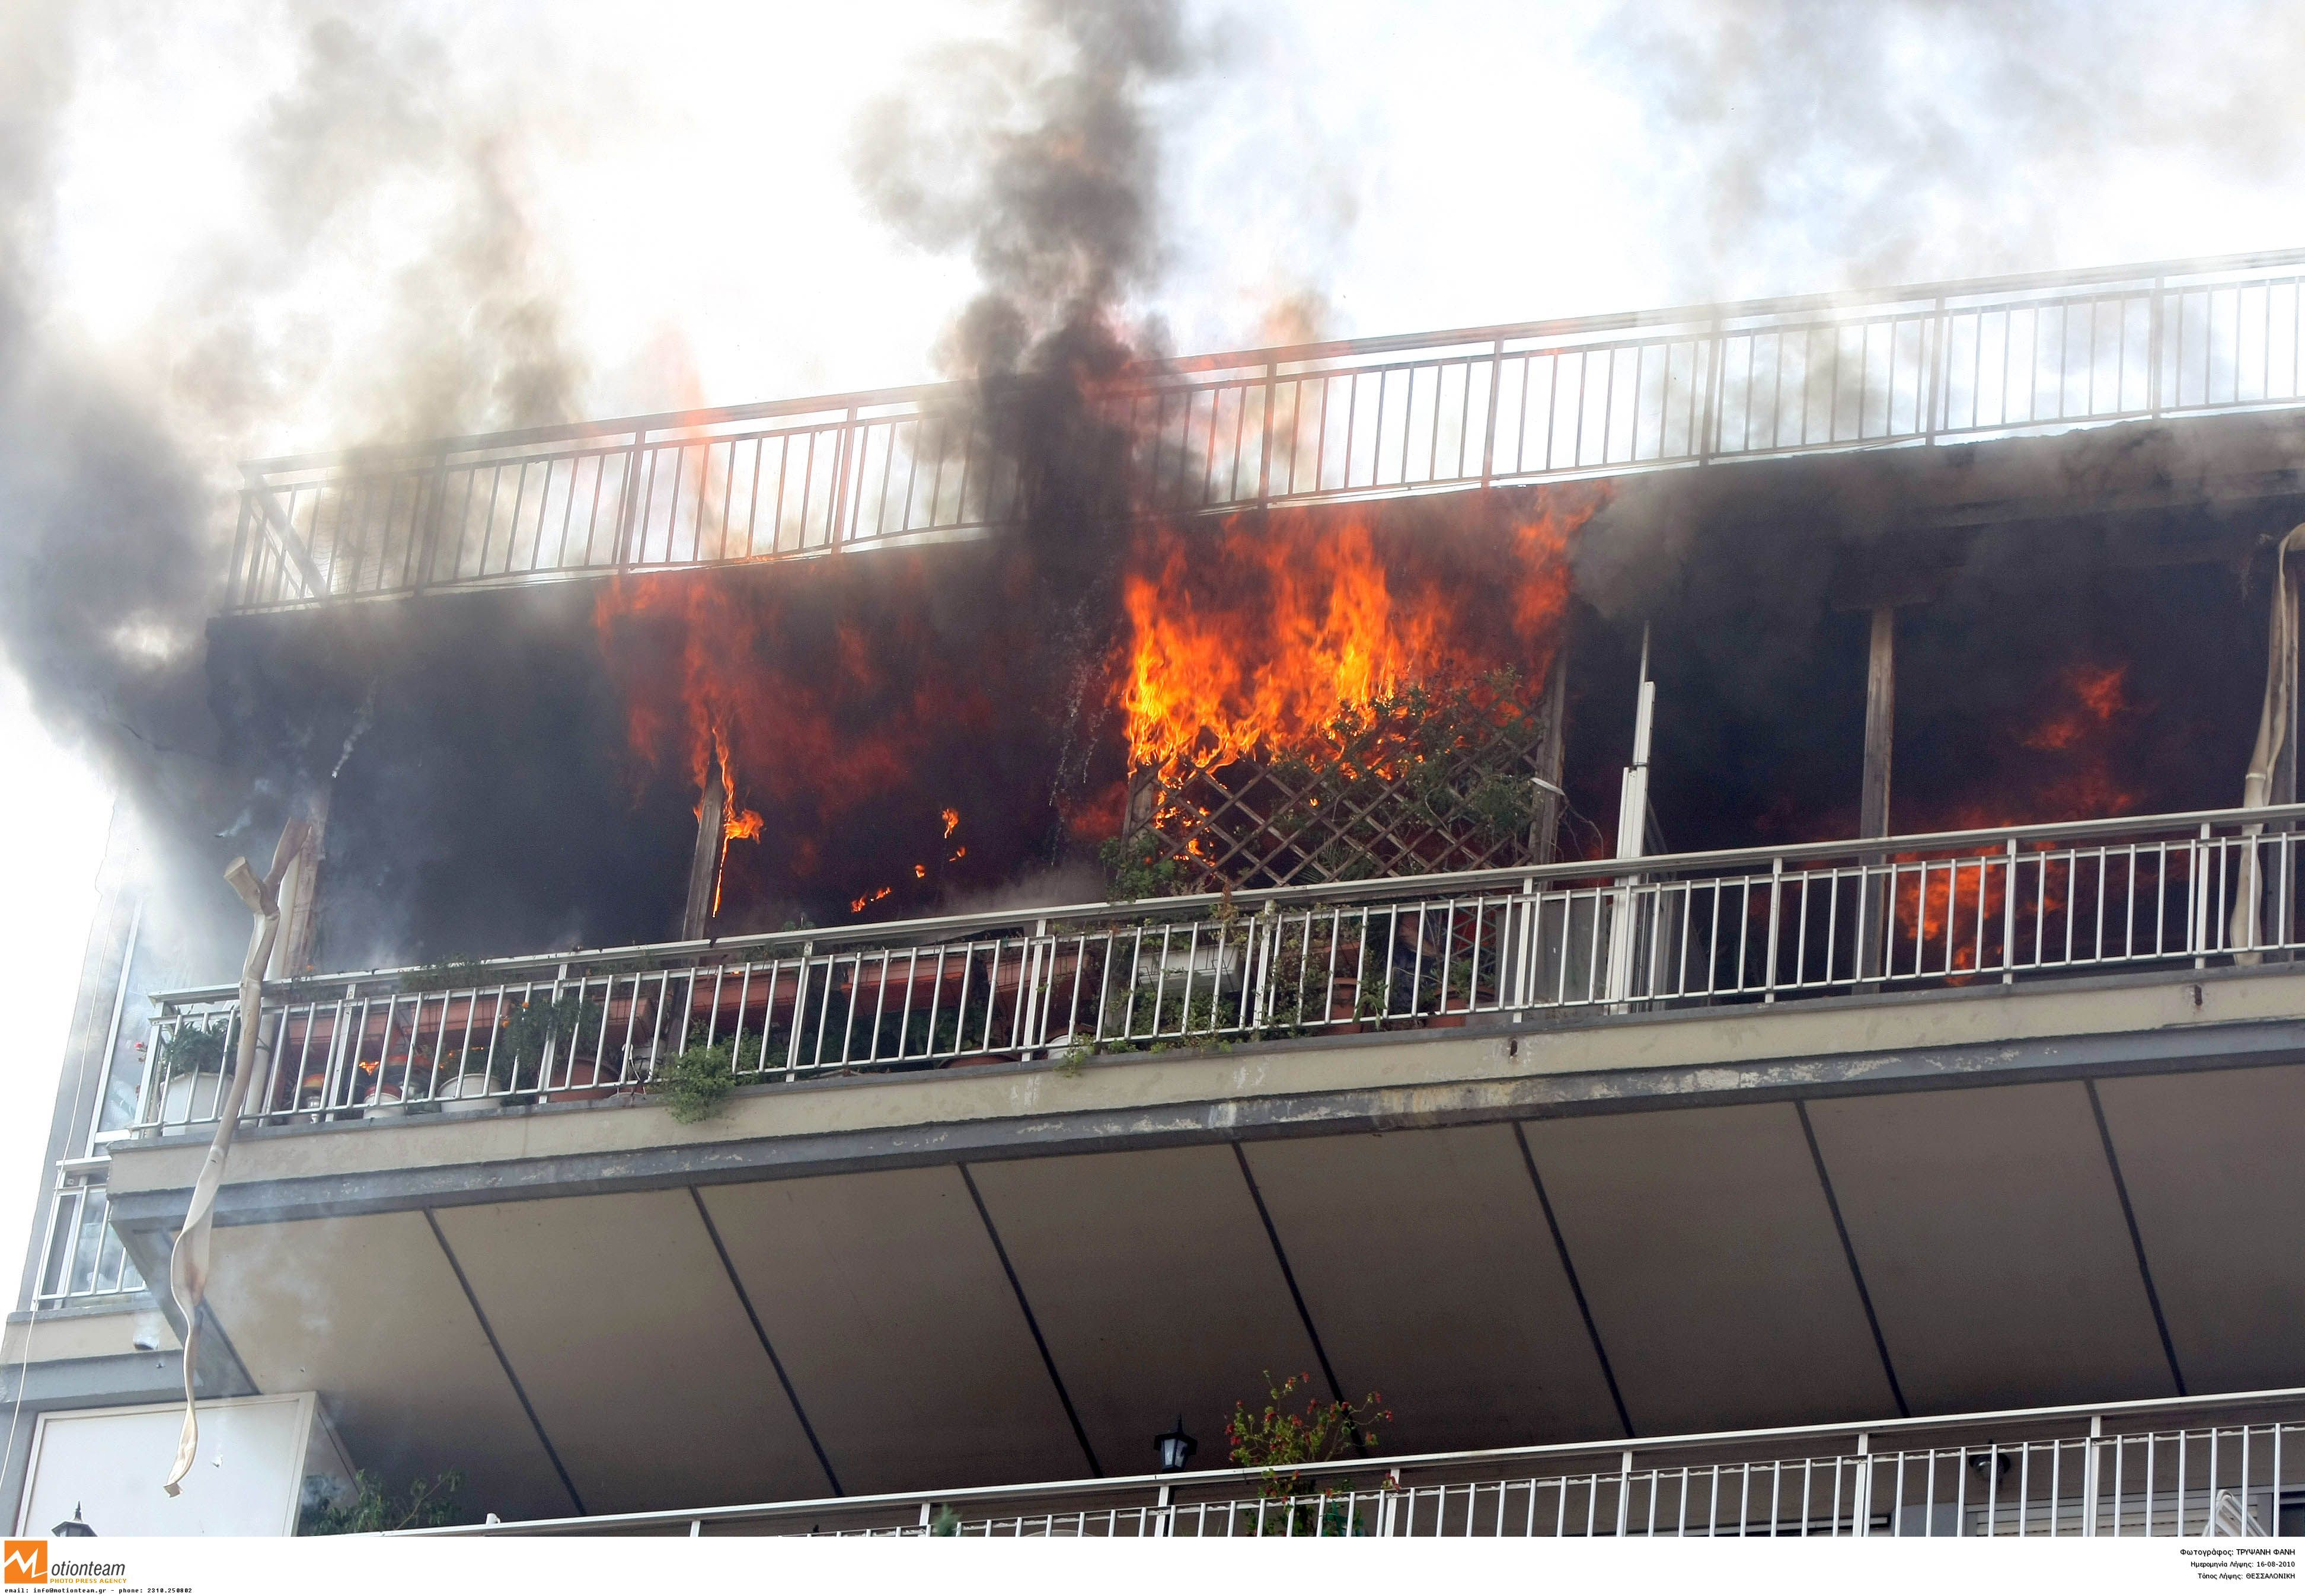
x=2224 y=1466
x=1673 y=1146
x=1544 y=946
x=1610 y=396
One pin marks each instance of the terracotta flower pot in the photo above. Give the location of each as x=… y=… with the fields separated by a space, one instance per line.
x=583 y=1085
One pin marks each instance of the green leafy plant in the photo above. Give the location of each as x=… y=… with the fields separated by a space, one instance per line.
x=526 y=1031
x=1140 y=867
x=445 y=975
x=945 y=1521
x=534 y=1025
x=370 y=1509
x=1281 y=1440
x=695 y=1083
x=195 y=1047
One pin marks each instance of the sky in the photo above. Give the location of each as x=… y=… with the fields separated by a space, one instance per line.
x=266 y=221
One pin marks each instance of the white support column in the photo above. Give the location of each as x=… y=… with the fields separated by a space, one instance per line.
x=1632 y=839
x=2089 y=1476
x=1861 y=1500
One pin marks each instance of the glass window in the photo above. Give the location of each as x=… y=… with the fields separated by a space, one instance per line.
x=90 y=1242
x=62 y=1225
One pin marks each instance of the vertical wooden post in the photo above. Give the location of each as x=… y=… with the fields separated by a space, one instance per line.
x=1873 y=802
x=300 y=890
x=1138 y=812
x=1880 y=723
x=704 y=865
x=1544 y=831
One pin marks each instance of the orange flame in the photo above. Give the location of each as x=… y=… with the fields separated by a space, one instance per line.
x=2099 y=695
x=2083 y=732
x=721 y=673
x=1265 y=639
x=736 y=822
x=951 y=820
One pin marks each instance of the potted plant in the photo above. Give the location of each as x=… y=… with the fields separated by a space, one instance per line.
x=537 y=1047
x=383 y=1090
x=366 y=1507
x=1280 y=1441
x=194 y=1051
x=538 y=1042
x=465 y=1079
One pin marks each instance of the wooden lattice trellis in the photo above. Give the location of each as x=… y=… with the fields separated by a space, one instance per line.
x=1433 y=778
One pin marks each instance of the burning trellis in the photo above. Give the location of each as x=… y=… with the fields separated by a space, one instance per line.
x=1313 y=703
x=1449 y=776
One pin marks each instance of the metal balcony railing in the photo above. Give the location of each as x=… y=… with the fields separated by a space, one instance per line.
x=1754 y=927
x=1472 y=407
x=82 y=1259
x=2222 y=1466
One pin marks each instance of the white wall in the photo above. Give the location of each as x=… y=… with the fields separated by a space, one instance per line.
x=108 y=1463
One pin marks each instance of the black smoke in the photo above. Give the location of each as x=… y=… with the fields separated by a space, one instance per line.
x=116 y=469
x=1043 y=157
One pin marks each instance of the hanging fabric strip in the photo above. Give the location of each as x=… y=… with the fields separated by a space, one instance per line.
x=2275 y=725
x=188 y=1263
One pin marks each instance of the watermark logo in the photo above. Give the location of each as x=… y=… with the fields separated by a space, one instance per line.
x=26 y=1563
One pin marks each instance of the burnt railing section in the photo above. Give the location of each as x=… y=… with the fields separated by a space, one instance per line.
x=1487 y=947
x=1472 y=407
x=2218 y=1467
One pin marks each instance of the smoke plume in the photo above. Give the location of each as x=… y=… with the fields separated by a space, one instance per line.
x=1915 y=139
x=1043 y=156
x=117 y=501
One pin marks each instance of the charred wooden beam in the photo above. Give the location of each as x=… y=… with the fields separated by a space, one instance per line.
x=1880 y=724
x=1544 y=832
x=300 y=891
x=704 y=864
x=1872 y=800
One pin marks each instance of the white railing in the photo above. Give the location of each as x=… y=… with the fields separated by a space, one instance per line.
x=1746 y=926
x=1467 y=408
x=2194 y=1467
x=82 y=1259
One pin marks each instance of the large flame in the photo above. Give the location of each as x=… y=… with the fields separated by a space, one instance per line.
x=833 y=711
x=861 y=707
x=1261 y=635
x=737 y=823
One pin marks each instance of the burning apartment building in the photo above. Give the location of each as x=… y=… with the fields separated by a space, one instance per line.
x=1703 y=898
